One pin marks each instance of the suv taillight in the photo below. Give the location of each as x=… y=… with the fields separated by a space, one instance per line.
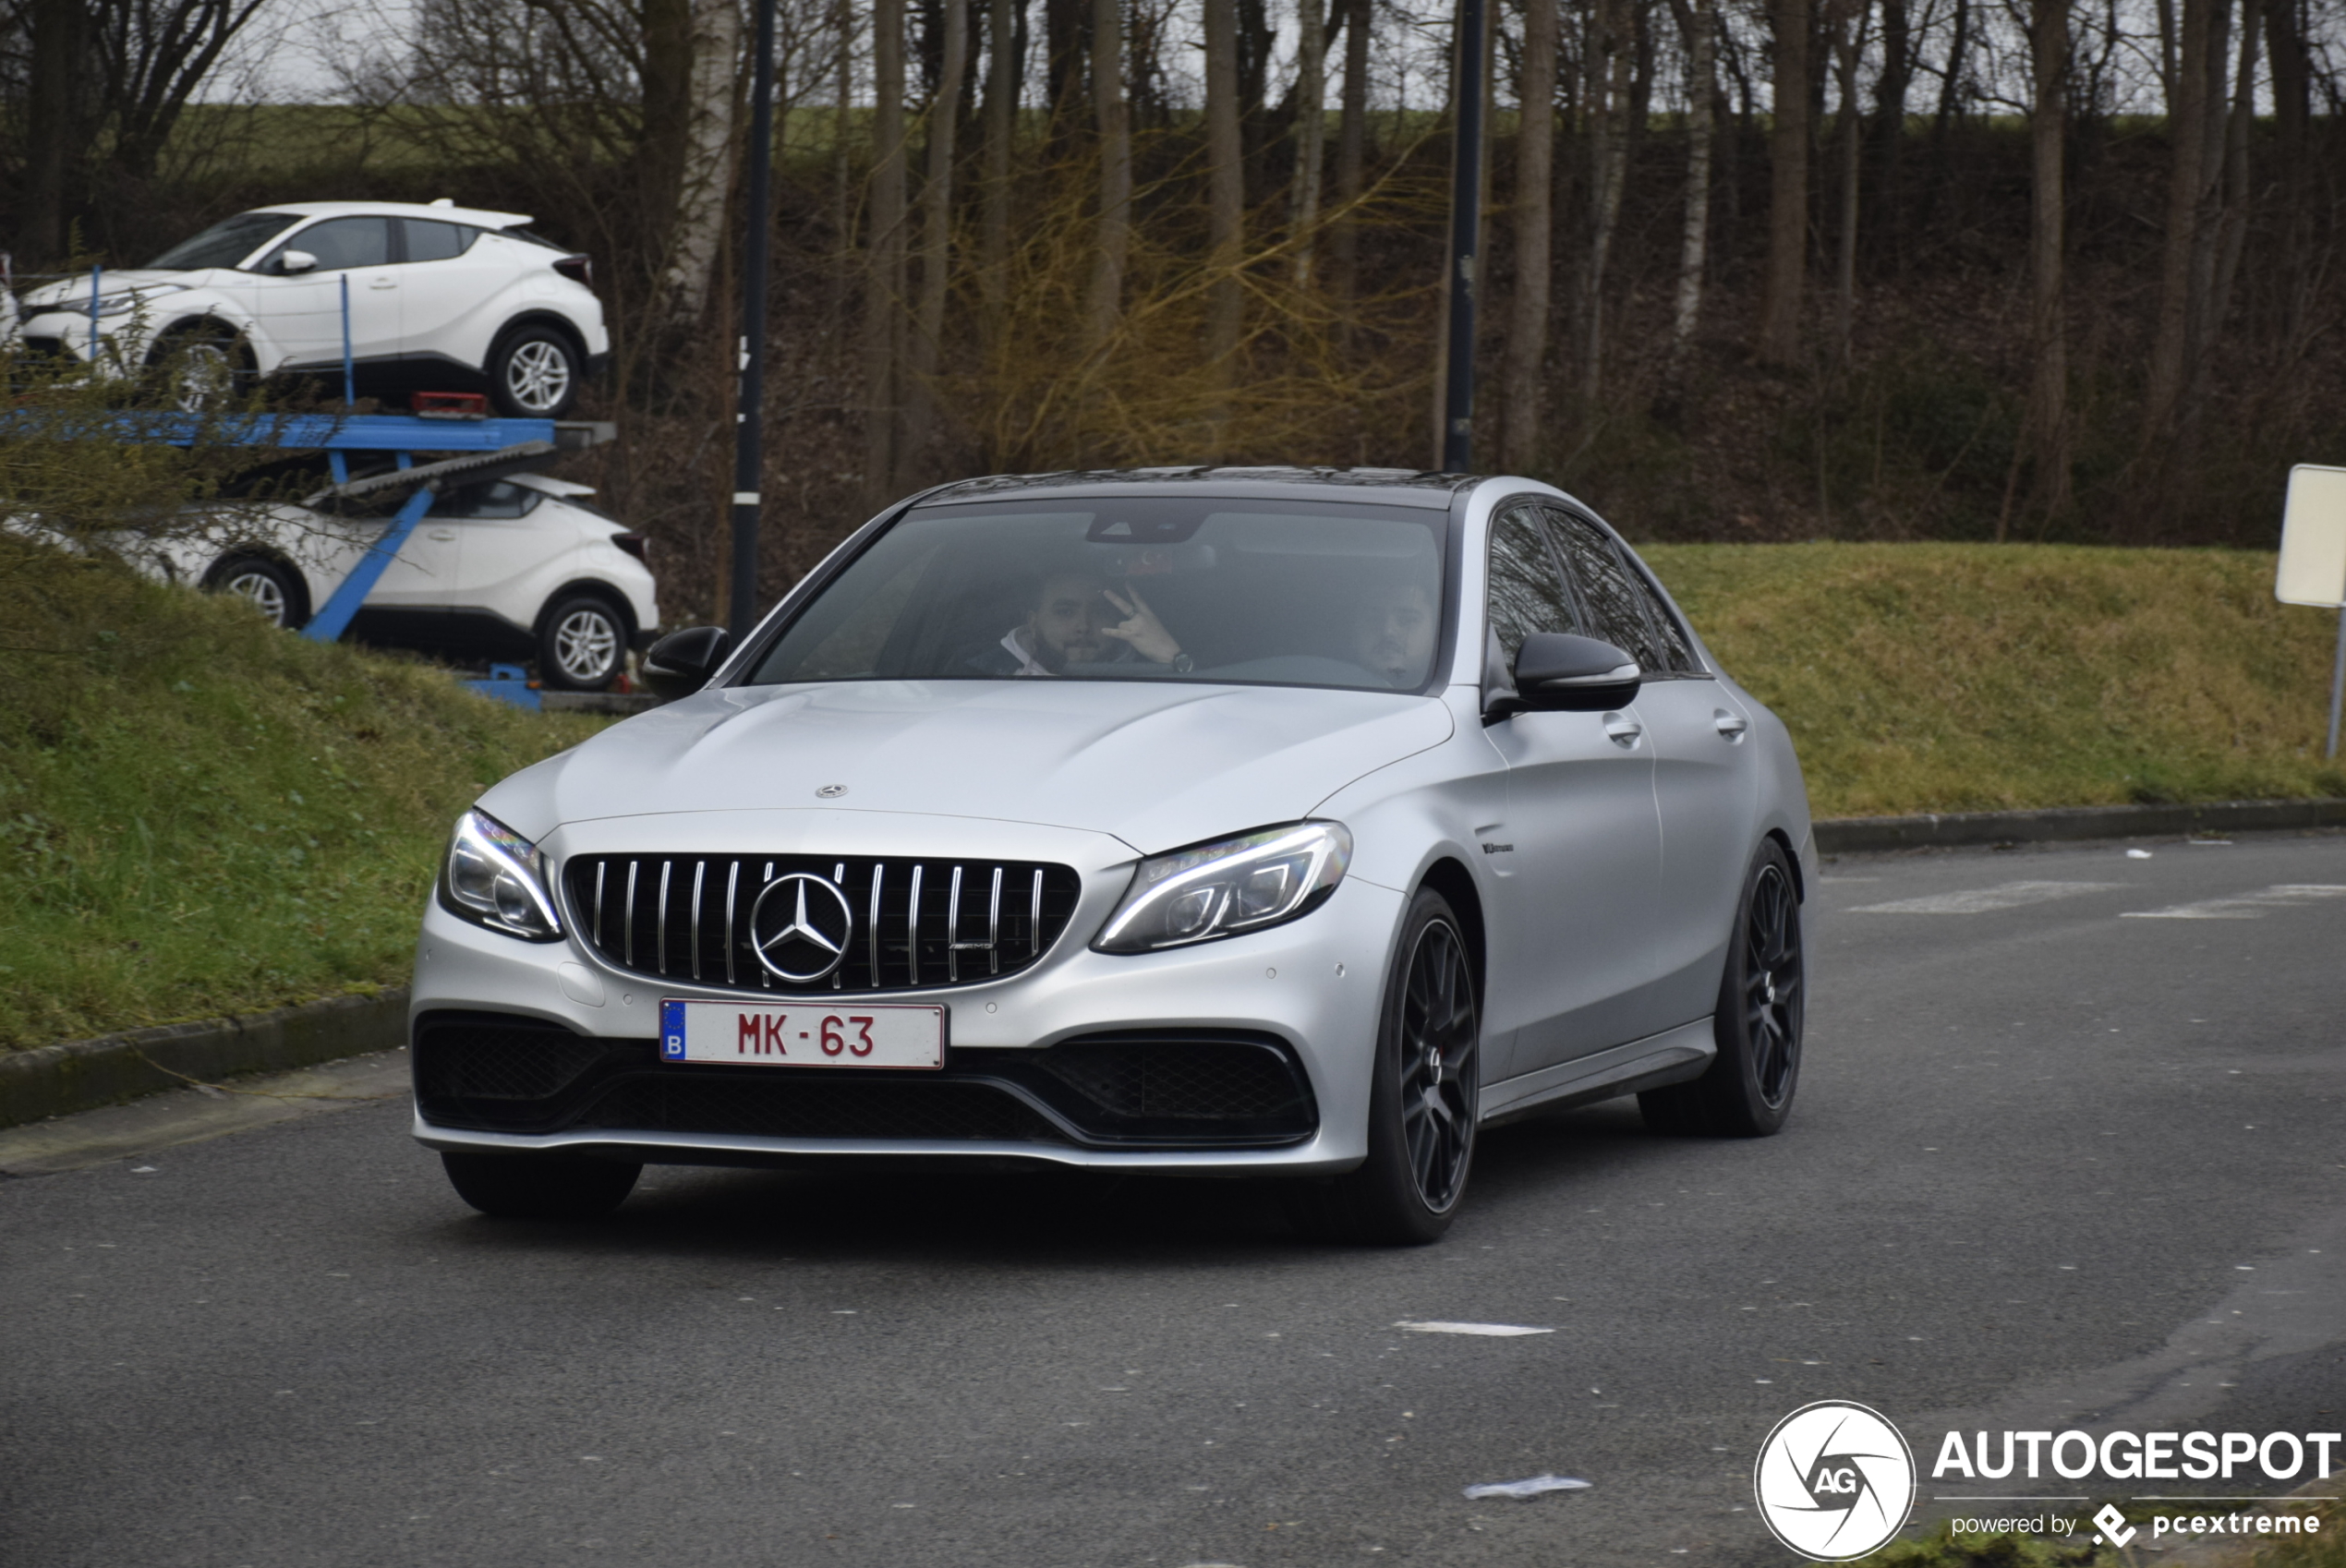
x=577 y=269
x=635 y=545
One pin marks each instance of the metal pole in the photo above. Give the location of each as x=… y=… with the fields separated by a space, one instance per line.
x=1465 y=223
x=2336 y=683
x=349 y=376
x=749 y=446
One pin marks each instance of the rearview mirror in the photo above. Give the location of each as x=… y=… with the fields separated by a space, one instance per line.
x=1555 y=671
x=297 y=261
x=681 y=662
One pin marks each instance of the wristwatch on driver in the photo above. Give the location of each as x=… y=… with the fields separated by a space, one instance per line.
x=1183 y=663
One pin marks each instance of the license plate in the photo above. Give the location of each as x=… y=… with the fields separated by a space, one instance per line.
x=855 y=1035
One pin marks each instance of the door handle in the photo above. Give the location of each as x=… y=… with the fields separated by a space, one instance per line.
x=443 y=533
x=1731 y=724
x=382 y=282
x=1623 y=730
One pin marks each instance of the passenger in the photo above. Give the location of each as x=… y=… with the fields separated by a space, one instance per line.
x=1078 y=619
x=1393 y=632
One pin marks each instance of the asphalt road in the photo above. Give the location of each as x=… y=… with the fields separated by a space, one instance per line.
x=2049 y=1162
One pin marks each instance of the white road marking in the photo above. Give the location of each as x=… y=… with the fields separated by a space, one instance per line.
x=2246 y=906
x=1980 y=901
x=1499 y=1330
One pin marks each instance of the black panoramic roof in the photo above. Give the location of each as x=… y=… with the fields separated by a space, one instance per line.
x=1404 y=487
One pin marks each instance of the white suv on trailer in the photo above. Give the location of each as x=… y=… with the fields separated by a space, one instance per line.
x=519 y=568
x=441 y=298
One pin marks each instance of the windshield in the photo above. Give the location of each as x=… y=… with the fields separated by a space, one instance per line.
x=225 y=243
x=1259 y=592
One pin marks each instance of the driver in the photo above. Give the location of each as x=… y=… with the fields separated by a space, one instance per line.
x=1078 y=619
x=1393 y=632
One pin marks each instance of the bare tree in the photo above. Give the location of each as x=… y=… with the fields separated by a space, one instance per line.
x=1001 y=126
x=937 y=225
x=1779 y=342
x=1310 y=131
x=1849 y=23
x=2187 y=182
x=1351 y=151
x=2046 y=437
x=884 y=327
x=1610 y=65
x=1699 y=24
x=1114 y=241
x=1527 y=349
x=1226 y=198
x=709 y=158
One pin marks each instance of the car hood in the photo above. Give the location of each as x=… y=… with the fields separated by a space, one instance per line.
x=68 y=292
x=1157 y=766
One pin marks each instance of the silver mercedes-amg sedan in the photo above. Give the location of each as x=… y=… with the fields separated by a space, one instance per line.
x=1275 y=822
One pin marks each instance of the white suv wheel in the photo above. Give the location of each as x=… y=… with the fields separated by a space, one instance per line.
x=583 y=644
x=537 y=375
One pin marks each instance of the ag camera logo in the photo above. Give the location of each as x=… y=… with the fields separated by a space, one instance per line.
x=1834 y=1480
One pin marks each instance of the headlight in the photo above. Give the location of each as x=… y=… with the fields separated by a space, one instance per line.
x=1228 y=889
x=497 y=878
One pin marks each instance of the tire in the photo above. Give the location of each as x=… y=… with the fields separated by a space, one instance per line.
x=540 y=1186
x=273 y=587
x=582 y=643
x=1763 y=997
x=200 y=369
x=533 y=373
x=1424 y=1095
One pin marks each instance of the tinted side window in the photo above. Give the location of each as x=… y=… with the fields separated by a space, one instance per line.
x=1526 y=594
x=340 y=243
x=496 y=498
x=428 y=241
x=1622 y=608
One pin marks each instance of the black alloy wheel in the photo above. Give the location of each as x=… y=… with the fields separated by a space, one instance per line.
x=271 y=586
x=1748 y=1091
x=533 y=373
x=1425 y=1095
x=540 y=1186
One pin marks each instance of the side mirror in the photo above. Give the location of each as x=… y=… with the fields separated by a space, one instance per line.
x=1556 y=671
x=681 y=662
x=297 y=261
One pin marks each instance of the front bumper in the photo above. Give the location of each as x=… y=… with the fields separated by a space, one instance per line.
x=1306 y=992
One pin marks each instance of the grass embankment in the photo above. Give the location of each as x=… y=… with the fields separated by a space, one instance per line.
x=199 y=814
x=1929 y=677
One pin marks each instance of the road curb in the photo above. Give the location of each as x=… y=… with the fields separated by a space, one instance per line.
x=82 y=1075
x=1860 y=835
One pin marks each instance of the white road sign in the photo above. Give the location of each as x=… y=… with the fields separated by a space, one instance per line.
x=2312 y=538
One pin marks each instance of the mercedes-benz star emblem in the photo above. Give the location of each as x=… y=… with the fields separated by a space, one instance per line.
x=798 y=938
x=830 y=791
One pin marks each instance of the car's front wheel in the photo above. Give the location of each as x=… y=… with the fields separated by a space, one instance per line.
x=540 y=1186
x=533 y=373
x=1747 y=1093
x=270 y=585
x=1424 y=1094
x=202 y=368
x=581 y=643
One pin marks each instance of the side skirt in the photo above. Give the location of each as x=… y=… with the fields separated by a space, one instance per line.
x=1671 y=1056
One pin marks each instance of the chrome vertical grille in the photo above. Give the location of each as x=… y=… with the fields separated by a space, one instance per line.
x=690 y=916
